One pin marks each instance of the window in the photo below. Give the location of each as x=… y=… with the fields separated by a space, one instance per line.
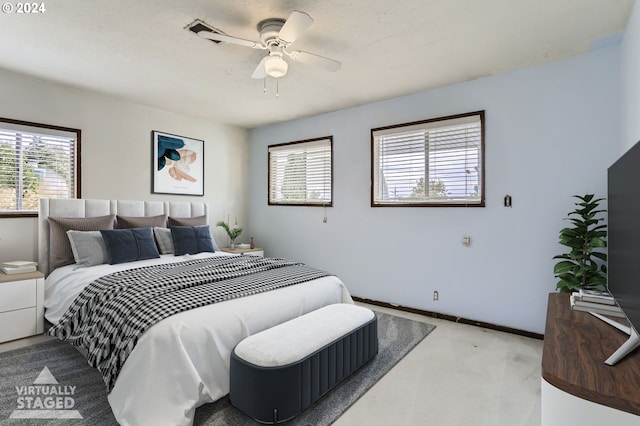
x=437 y=162
x=300 y=173
x=36 y=161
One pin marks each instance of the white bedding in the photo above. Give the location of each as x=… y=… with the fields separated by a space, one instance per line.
x=182 y=362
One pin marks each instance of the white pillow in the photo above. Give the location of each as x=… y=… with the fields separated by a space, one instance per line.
x=88 y=248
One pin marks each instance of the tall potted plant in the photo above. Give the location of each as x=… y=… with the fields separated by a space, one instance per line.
x=584 y=266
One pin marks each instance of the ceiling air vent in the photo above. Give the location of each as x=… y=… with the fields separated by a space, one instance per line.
x=198 y=25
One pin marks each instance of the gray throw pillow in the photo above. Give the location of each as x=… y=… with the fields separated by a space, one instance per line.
x=164 y=240
x=88 y=248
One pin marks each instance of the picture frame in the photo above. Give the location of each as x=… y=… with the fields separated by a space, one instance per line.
x=177 y=164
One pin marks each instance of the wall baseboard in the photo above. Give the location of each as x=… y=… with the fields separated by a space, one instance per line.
x=451 y=318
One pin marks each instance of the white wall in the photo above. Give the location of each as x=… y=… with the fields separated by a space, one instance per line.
x=551 y=132
x=630 y=81
x=116 y=151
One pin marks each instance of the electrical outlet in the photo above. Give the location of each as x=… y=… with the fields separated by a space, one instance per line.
x=466 y=240
x=435 y=295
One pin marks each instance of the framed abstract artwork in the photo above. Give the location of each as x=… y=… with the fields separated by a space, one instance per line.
x=178 y=164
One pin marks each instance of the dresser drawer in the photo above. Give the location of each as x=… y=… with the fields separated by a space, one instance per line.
x=17 y=324
x=17 y=295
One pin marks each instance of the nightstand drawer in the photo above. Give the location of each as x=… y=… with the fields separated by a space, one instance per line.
x=17 y=295
x=17 y=324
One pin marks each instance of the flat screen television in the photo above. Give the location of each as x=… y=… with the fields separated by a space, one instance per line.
x=623 y=261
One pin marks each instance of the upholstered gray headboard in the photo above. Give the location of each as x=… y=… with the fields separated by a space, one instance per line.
x=77 y=208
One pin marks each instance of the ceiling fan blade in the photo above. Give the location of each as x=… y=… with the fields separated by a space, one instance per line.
x=315 y=60
x=260 y=71
x=297 y=23
x=229 y=39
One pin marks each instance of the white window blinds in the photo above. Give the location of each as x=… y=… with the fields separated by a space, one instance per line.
x=36 y=162
x=436 y=162
x=300 y=173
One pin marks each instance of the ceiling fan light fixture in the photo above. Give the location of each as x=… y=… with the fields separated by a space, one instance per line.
x=276 y=67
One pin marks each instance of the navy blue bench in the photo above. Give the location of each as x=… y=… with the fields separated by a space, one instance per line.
x=277 y=373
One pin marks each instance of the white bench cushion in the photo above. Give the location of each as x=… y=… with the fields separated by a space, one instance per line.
x=295 y=339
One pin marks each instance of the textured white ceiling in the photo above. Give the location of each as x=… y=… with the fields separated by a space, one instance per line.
x=139 y=50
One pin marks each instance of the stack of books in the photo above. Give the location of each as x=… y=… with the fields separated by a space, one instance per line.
x=19 y=267
x=595 y=301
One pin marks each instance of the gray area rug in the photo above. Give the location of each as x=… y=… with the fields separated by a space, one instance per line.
x=20 y=367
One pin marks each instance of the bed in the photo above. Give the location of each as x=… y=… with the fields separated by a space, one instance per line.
x=182 y=361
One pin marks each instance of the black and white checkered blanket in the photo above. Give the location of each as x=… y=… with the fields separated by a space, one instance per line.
x=110 y=314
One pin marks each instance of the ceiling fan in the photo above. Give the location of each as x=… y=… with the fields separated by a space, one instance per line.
x=276 y=36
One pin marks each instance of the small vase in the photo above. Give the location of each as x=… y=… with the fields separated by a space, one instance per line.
x=232 y=244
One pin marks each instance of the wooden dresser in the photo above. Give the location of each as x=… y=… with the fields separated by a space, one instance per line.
x=577 y=386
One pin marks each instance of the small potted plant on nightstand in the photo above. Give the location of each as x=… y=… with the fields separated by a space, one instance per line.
x=233 y=233
x=584 y=267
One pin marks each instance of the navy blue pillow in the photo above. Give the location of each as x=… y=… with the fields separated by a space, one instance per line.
x=191 y=239
x=129 y=245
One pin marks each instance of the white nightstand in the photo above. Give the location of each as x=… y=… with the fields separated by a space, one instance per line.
x=21 y=305
x=256 y=251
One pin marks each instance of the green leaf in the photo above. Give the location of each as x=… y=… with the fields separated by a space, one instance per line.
x=563 y=267
x=570 y=232
x=574 y=244
x=561 y=256
x=566 y=286
x=579 y=224
x=586 y=197
x=569 y=279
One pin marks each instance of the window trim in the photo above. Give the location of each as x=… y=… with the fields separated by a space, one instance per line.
x=482 y=203
x=78 y=174
x=275 y=203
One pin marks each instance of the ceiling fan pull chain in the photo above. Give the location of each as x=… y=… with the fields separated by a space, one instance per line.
x=264 y=88
x=277 y=88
